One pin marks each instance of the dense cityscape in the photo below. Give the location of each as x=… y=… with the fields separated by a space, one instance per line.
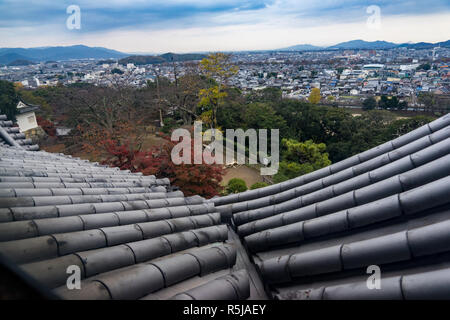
x=343 y=76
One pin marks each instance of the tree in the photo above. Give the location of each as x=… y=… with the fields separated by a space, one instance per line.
x=47 y=126
x=259 y=185
x=192 y=179
x=370 y=130
x=236 y=185
x=216 y=66
x=186 y=96
x=369 y=103
x=229 y=115
x=393 y=103
x=219 y=66
x=121 y=155
x=428 y=99
x=403 y=105
x=377 y=119
x=318 y=123
x=262 y=116
x=116 y=71
x=299 y=158
x=210 y=99
x=401 y=127
x=425 y=67
x=33 y=97
x=272 y=95
x=314 y=96
x=97 y=114
x=388 y=103
x=182 y=95
x=8 y=99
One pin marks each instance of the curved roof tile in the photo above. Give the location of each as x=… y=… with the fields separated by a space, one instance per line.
x=312 y=237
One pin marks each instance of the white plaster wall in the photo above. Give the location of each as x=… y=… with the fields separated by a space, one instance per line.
x=26 y=121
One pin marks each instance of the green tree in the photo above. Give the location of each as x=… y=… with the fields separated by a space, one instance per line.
x=262 y=116
x=229 y=115
x=388 y=102
x=425 y=67
x=8 y=99
x=35 y=97
x=259 y=185
x=369 y=103
x=299 y=158
x=428 y=99
x=272 y=95
x=403 y=105
x=236 y=185
x=400 y=127
x=116 y=71
x=393 y=103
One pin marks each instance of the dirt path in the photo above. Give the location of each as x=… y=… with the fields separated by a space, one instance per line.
x=249 y=175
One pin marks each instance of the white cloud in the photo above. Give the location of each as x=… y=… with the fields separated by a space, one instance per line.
x=273 y=27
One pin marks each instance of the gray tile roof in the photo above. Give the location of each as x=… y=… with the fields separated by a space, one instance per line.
x=28 y=107
x=131 y=235
x=11 y=136
x=312 y=237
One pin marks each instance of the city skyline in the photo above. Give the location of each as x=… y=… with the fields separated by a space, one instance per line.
x=135 y=26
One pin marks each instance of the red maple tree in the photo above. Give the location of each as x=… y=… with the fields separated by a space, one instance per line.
x=192 y=179
x=47 y=126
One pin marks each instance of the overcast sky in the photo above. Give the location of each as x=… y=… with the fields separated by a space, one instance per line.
x=214 y=25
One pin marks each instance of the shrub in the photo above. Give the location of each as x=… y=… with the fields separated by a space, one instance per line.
x=236 y=185
x=259 y=185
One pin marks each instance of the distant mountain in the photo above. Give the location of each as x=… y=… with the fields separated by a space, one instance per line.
x=444 y=44
x=354 y=44
x=302 y=47
x=419 y=45
x=182 y=57
x=141 y=60
x=425 y=45
x=361 y=44
x=167 y=57
x=21 y=62
x=8 y=55
x=60 y=53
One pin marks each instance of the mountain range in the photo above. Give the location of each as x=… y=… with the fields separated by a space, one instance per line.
x=8 y=55
x=167 y=57
x=367 y=45
x=21 y=56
